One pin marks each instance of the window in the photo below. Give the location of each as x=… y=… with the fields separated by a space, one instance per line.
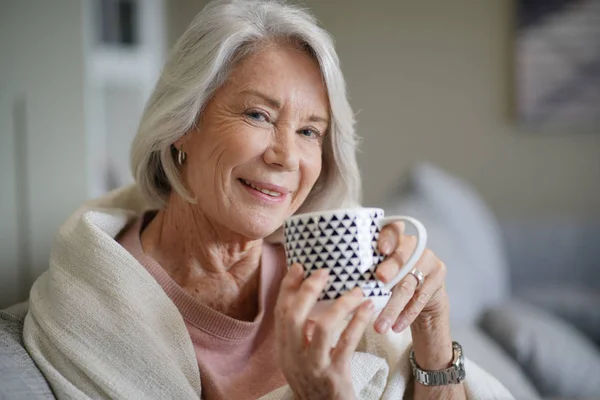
x=119 y=22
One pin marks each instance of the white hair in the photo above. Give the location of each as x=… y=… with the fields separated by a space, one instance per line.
x=218 y=37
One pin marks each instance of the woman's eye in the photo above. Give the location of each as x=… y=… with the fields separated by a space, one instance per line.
x=310 y=133
x=257 y=116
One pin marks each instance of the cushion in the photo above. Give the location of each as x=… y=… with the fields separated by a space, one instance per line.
x=481 y=349
x=558 y=359
x=19 y=376
x=576 y=304
x=574 y=257
x=463 y=233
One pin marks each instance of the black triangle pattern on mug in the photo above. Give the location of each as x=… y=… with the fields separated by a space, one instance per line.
x=344 y=243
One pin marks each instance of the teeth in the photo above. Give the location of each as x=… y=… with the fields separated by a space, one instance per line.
x=265 y=191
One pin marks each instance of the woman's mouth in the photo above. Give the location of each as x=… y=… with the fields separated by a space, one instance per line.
x=266 y=191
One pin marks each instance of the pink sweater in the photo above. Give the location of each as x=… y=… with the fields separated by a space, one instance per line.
x=237 y=359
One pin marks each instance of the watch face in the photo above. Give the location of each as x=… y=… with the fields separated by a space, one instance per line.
x=460 y=364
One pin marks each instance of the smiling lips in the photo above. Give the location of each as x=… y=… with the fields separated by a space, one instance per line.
x=269 y=190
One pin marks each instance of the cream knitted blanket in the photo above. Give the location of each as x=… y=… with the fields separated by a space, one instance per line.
x=99 y=325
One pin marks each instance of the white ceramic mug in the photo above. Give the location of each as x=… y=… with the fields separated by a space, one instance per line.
x=345 y=242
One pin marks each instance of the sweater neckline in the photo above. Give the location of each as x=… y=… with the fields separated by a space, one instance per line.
x=194 y=312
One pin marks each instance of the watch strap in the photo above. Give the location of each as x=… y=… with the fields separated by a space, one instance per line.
x=452 y=375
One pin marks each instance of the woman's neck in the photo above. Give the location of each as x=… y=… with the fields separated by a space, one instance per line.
x=216 y=266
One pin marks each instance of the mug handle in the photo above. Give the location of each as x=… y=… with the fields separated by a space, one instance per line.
x=421 y=243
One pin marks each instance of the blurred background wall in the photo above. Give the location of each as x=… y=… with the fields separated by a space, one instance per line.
x=42 y=132
x=428 y=79
x=432 y=80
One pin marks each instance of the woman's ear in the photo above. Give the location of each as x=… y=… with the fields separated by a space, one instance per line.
x=179 y=142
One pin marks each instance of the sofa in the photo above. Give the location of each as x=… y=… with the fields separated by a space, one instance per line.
x=19 y=376
x=524 y=294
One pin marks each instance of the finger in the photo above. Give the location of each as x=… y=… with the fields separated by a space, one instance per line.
x=433 y=282
x=401 y=295
x=309 y=292
x=288 y=315
x=299 y=308
x=403 y=292
x=291 y=282
x=389 y=268
x=390 y=237
x=289 y=286
x=329 y=322
x=351 y=336
x=309 y=330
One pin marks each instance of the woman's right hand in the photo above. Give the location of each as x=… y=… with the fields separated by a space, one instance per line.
x=313 y=369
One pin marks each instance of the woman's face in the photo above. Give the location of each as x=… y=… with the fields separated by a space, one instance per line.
x=257 y=150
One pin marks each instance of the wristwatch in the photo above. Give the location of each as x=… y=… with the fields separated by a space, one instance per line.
x=453 y=375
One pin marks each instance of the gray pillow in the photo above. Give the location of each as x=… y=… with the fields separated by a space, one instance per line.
x=464 y=234
x=576 y=304
x=558 y=359
x=465 y=308
x=481 y=349
x=19 y=376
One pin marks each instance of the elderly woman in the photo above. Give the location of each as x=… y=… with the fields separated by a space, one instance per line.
x=177 y=287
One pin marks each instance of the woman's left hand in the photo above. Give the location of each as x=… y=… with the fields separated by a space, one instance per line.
x=410 y=304
x=424 y=308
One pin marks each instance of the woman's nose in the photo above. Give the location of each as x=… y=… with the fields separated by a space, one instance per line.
x=283 y=151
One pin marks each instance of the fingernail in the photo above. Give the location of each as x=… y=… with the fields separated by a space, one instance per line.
x=383 y=325
x=310 y=327
x=295 y=269
x=400 y=326
x=370 y=305
x=386 y=246
x=309 y=330
x=382 y=276
x=402 y=226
